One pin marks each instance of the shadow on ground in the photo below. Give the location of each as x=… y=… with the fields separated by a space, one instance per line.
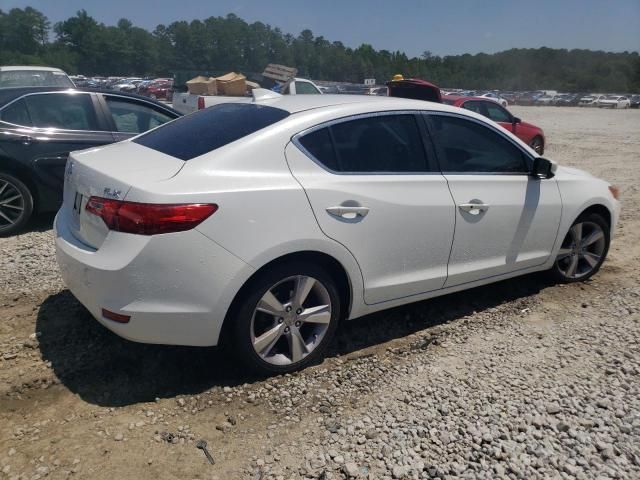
x=39 y=223
x=106 y=370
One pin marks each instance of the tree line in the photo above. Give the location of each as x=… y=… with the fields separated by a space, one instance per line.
x=82 y=45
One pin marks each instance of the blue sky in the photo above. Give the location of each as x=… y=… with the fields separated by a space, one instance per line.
x=412 y=26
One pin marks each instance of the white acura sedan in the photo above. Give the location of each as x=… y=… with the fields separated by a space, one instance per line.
x=264 y=224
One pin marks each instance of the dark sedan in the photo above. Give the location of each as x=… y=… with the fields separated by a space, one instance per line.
x=40 y=126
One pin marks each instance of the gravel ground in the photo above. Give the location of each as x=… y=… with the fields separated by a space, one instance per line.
x=521 y=379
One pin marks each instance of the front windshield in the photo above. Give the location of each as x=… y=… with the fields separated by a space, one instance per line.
x=34 y=78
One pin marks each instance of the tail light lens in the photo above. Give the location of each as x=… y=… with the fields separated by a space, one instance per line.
x=149 y=218
x=200 y=103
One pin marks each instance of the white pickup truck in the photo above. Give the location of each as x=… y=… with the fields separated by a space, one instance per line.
x=187 y=103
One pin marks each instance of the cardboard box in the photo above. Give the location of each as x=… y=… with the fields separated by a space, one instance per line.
x=232 y=84
x=202 y=86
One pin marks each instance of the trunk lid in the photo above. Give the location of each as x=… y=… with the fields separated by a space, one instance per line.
x=109 y=172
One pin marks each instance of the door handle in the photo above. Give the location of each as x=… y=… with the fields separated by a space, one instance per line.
x=474 y=208
x=348 y=212
x=26 y=140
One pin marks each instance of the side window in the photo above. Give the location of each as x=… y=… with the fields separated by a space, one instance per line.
x=133 y=117
x=474 y=107
x=467 y=146
x=16 y=113
x=497 y=113
x=303 y=88
x=68 y=111
x=320 y=146
x=384 y=143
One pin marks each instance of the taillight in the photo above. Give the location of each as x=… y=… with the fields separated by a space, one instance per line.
x=149 y=218
x=200 y=103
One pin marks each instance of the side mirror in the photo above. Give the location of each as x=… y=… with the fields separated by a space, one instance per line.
x=516 y=120
x=543 y=168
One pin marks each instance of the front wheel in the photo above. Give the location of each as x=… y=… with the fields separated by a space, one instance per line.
x=16 y=204
x=583 y=249
x=286 y=318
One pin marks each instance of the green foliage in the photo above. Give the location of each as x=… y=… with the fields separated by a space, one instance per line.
x=220 y=44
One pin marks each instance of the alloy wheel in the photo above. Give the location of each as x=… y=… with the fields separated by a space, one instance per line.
x=12 y=204
x=290 y=320
x=582 y=250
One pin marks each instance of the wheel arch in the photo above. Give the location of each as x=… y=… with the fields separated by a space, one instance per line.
x=598 y=208
x=334 y=267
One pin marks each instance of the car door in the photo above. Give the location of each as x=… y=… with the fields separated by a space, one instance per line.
x=374 y=188
x=47 y=127
x=501 y=116
x=506 y=220
x=130 y=116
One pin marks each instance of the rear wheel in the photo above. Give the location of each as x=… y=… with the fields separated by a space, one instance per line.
x=16 y=204
x=286 y=318
x=583 y=249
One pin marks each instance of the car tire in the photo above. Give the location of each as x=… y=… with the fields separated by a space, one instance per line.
x=537 y=144
x=16 y=204
x=583 y=249
x=274 y=337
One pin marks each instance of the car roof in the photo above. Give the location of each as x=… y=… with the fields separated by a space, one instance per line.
x=300 y=103
x=9 y=68
x=9 y=94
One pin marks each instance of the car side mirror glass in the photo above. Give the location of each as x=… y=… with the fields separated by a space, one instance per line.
x=516 y=120
x=543 y=168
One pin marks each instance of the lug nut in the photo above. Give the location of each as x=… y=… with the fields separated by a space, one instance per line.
x=286 y=329
x=298 y=323
x=280 y=320
x=288 y=309
x=299 y=311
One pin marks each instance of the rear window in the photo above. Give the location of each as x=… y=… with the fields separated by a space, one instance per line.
x=34 y=78
x=206 y=130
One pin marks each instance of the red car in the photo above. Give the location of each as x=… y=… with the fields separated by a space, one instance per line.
x=157 y=90
x=528 y=133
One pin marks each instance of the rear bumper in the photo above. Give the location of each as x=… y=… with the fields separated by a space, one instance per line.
x=176 y=288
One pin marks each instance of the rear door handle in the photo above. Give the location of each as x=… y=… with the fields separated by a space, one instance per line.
x=348 y=212
x=26 y=139
x=474 y=208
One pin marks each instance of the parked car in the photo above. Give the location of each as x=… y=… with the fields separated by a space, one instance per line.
x=544 y=100
x=560 y=98
x=568 y=100
x=128 y=85
x=265 y=224
x=380 y=91
x=527 y=132
x=157 y=89
x=29 y=76
x=40 y=126
x=495 y=97
x=590 y=100
x=188 y=103
x=614 y=101
x=527 y=98
x=634 y=101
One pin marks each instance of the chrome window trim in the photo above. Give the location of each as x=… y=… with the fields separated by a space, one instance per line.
x=502 y=133
x=296 y=141
x=57 y=130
